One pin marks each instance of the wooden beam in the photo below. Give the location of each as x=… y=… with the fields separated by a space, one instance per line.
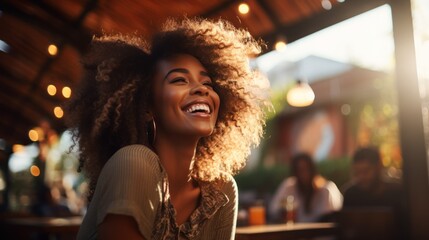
x=319 y=21
x=414 y=153
x=74 y=36
x=47 y=8
x=14 y=100
x=270 y=13
x=26 y=98
x=13 y=80
x=213 y=11
x=13 y=127
x=10 y=113
x=91 y=4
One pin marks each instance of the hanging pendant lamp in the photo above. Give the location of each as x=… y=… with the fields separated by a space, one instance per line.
x=300 y=95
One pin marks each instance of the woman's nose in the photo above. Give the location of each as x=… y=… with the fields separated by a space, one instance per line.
x=200 y=89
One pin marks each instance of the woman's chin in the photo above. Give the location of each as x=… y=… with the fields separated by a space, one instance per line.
x=204 y=132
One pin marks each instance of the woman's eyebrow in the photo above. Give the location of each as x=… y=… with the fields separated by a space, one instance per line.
x=181 y=70
x=204 y=73
x=184 y=70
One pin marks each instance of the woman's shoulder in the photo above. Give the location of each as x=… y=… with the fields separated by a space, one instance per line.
x=229 y=189
x=289 y=182
x=229 y=182
x=134 y=150
x=330 y=184
x=227 y=185
x=133 y=158
x=330 y=187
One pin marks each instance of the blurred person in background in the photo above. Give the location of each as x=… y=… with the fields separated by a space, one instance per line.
x=371 y=202
x=314 y=197
x=162 y=126
x=367 y=187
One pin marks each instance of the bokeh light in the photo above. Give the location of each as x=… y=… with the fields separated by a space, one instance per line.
x=66 y=92
x=243 y=8
x=52 y=50
x=326 y=4
x=280 y=45
x=52 y=90
x=16 y=148
x=35 y=170
x=33 y=135
x=58 y=112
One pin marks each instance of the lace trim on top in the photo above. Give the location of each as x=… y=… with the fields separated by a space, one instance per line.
x=212 y=199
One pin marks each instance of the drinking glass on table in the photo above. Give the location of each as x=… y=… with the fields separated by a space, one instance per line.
x=257 y=214
x=290 y=209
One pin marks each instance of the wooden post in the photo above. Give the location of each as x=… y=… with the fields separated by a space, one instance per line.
x=415 y=164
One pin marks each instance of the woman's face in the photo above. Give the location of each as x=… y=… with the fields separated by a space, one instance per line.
x=185 y=103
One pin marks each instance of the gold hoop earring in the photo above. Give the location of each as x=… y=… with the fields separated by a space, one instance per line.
x=151 y=132
x=154 y=130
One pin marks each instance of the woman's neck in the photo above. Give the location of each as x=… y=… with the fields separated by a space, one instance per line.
x=176 y=156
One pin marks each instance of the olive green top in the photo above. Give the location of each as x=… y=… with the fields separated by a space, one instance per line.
x=134 y=183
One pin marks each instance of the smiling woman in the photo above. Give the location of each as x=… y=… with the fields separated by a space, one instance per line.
x=183 y=91
x=162 y=126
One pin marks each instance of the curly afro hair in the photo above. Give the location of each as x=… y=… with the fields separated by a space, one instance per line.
x=107 y=112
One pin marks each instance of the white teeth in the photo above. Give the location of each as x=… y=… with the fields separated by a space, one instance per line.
x=198 y=107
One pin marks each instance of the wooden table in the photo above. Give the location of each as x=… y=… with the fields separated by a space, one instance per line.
x=286 y=231
x=55 y=228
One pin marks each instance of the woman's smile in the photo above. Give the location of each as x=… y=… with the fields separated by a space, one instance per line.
x=199 y=108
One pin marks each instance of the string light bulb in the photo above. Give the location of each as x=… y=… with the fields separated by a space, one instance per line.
x=33 y=135
x=280 y=44
x=35 y=170
x=300 y=95
x=66 y=92
x=52 y=49
x=52 y=90
x=326 y=4
x=36 y=134
x=243 y=8
x=58 y=112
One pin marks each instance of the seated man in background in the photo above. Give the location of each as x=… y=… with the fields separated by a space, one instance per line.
x=370 y=195
x=368 y=187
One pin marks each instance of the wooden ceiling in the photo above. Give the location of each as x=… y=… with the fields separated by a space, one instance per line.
x=28 y=27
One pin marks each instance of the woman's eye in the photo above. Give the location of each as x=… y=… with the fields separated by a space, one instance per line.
x=178 y=80
x=209 y=84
